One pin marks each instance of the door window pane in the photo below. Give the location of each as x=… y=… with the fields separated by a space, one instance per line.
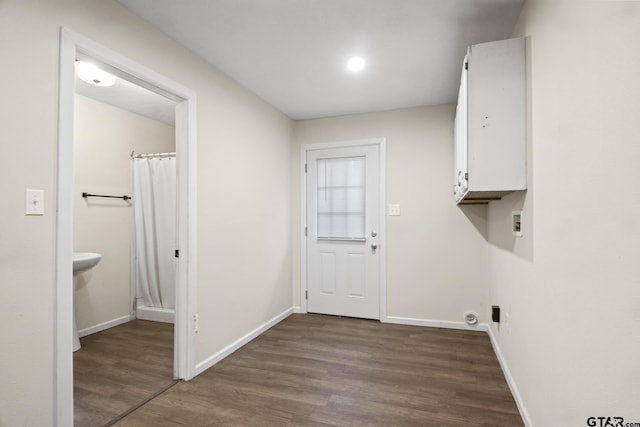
x=341 y=198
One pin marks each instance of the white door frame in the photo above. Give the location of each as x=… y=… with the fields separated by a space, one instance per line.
x=382 y=235
x=71 y=45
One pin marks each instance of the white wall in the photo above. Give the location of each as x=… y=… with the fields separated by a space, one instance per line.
x=104 y=137
x=571 y=284
x=244 y=274
x=436 y=252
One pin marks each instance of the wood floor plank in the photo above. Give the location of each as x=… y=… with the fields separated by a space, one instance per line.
x=314 y=370
x=119 y=368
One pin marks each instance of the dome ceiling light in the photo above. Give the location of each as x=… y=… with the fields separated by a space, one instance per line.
x=91 y=74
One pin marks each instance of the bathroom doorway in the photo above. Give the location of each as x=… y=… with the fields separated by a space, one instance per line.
x=74 y=47
x=125 y=211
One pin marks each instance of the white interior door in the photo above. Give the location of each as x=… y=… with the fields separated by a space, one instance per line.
x=343 y=224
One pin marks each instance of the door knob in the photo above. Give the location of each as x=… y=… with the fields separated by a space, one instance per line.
x=374 y=246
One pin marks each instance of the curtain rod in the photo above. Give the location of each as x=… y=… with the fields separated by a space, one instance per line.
x=143 y=156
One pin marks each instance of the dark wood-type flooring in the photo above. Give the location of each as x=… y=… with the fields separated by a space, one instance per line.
x=119 y=368
x=314 y=370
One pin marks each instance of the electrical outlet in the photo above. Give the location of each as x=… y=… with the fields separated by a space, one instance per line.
x=495 y=313
x=394 y=210
x=196 y=321
x=516 y=223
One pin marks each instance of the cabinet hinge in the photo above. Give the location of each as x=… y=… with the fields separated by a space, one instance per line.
x=466 y=176
x=177 y=253
x=306 y=295
x=305 y=168
x=305 y=231
x=466 y=65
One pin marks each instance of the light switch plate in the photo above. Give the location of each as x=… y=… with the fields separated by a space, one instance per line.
x=394 y=210
x=34 y=202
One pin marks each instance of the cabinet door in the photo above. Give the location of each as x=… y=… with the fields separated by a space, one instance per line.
x=461 y=176
x=496 y=114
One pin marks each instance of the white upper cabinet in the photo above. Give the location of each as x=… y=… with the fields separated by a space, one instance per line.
x=490 y=123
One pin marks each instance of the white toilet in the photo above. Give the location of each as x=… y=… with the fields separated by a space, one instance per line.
x=82 y=261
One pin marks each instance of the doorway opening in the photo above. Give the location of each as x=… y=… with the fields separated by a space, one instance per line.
x=72 y=47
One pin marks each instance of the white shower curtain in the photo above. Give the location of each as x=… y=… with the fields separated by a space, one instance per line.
x=154 y=203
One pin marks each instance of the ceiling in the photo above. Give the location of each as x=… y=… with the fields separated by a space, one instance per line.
x=293 y=53
x=131 y=97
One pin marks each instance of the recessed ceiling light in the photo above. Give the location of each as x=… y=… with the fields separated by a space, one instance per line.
x=355 y=64
x=91 y=74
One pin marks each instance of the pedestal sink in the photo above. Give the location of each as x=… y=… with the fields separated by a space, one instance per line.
x=82 y=261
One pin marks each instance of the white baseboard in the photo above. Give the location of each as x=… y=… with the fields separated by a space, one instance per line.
x=105 y=325
x=298 y=310
x=155 y=314
x=507 y=374
x=217 y=357
x=436 y=323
